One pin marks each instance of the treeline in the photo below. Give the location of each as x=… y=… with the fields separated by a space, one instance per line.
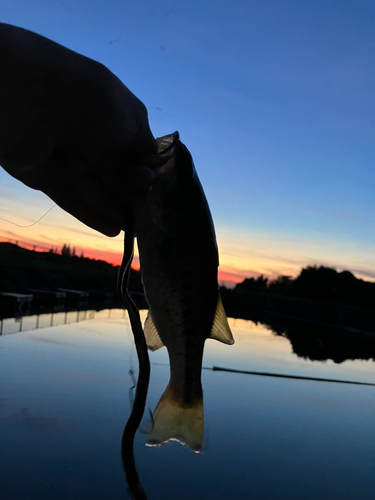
x=319 y=295
x=22 y=269
x=316 y=283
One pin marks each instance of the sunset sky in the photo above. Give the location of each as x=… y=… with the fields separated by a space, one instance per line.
x=275 y=100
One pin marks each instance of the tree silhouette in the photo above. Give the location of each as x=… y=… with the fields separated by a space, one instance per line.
x=318 y=283
x=253 y=285
x=281 y=285
x=66 y=250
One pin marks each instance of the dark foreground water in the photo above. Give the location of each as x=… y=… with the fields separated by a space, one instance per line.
x=65 y=397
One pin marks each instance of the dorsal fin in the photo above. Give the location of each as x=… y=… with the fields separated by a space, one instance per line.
x=153 y=339
x=220 y=328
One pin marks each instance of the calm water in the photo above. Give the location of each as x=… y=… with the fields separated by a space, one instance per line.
x=65 y=397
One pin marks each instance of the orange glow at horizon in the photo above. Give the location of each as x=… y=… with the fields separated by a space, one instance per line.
x=227 y=275
x=111 y=257
x=241 y=258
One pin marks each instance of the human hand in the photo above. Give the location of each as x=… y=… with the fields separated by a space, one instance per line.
x=71 y=129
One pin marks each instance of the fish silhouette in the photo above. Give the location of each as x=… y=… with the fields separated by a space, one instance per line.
x=179 y=260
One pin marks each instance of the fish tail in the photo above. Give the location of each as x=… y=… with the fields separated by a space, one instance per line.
x=175 y=421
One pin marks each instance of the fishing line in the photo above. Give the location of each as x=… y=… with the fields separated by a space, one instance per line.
x=134 y=420
x=29 y=225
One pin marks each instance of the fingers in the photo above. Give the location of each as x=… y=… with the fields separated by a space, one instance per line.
x=144 y=143
x=127 y=182
x=99 y=196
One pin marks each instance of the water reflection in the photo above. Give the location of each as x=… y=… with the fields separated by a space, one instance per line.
x=127 y=441
x=258 y=349
x=63 y=406
x=320 y=342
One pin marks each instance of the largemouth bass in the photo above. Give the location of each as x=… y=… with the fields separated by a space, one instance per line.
x=179 y=260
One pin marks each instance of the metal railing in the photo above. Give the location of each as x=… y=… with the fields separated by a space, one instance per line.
x=14 y=325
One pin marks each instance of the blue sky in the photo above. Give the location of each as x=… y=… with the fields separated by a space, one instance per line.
x=275 y=100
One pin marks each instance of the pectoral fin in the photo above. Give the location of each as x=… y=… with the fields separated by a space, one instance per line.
x=220 y=329
x=153 y=339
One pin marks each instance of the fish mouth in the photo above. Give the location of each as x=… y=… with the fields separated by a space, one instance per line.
x=167 y=142
x=165 y=151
